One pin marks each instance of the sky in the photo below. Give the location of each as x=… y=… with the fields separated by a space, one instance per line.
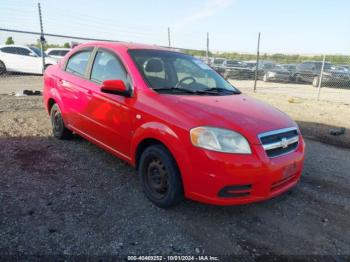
x=286 y=26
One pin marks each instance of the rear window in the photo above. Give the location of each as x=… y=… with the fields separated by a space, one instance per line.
x=77 y=63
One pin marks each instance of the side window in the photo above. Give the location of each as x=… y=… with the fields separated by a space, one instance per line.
x=63 y=52
x=9 y=50
x=54 y=52
x=77 y=62
x=23 y=51
x=107 y=67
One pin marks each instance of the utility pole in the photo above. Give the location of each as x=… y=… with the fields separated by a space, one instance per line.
x=257 y=62
x=169 y=42
x=320 y=79
x=42 y=38
x=207 y=51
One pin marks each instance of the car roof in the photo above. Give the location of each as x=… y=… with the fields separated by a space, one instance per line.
x=126 y=46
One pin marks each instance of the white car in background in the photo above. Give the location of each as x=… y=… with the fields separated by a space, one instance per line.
x=23 y=59
x=57 y=52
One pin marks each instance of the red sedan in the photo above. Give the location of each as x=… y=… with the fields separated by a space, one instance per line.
x=188 y=132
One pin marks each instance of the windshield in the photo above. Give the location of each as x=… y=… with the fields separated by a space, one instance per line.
x=174 y=72
x=218 y=61
x=37 y=51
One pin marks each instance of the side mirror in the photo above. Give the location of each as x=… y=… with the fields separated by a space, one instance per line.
x=32 y=54
x=116 y=87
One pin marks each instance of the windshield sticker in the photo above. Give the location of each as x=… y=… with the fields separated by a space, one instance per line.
x=201 y=64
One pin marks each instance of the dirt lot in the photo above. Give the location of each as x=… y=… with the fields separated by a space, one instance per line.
x=70 y=197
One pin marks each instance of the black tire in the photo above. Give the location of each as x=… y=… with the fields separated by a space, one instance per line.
x=316 y=81
x=2 y=68
x=160 y=177
x=46 y=66
x=59 y=130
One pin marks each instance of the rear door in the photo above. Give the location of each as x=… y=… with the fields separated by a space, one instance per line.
x=108 y=116
x=71 y=84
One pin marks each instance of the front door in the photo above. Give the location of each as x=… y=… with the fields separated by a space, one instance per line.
x=109 y=115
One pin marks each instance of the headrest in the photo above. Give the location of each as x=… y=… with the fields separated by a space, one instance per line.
x=153 y=65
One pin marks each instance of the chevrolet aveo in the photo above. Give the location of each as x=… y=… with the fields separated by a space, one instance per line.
x=189 y=133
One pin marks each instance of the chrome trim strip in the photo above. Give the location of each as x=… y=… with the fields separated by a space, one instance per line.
x=278 y=131
x=281 y=144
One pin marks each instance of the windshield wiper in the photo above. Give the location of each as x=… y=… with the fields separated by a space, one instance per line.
x=171 y=88
x=219 y=90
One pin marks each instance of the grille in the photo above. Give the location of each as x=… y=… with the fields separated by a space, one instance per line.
x=280 y=142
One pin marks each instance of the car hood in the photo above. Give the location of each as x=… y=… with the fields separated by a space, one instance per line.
x=241 y=113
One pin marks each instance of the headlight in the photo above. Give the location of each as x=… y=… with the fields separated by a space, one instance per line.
x=221 y=140
x=272 y=74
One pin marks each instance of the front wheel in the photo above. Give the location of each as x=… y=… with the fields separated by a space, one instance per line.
x=59 y=130
x=2 y=68
x=160 y=177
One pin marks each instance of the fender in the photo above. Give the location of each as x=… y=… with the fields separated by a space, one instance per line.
x=167 y=136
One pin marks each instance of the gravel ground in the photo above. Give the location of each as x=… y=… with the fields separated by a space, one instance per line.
x=70 y=197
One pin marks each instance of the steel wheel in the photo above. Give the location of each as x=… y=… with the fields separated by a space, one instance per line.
x=160 y=176
x=59 y=130
x=157 y=179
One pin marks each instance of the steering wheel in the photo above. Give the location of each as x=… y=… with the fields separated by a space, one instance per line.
x=180 y=83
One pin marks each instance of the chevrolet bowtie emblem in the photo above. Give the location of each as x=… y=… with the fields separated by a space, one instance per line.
x=284 y=142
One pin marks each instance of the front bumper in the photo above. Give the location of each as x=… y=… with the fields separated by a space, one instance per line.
x=228 y=179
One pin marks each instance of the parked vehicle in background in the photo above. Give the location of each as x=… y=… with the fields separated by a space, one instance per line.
x=277 y=73
x=218 y=65
x=310 y=71
x=235 y=69
x=188 y=131
x=57 y=52
x=291 y=69
x=23 y=59
x=263 y=68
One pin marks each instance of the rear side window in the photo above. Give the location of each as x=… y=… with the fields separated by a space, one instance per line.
x=10 y=50
x=77 y=63
x=107 y=67
x=54 y=52
x=16 y=50
x=63 y=52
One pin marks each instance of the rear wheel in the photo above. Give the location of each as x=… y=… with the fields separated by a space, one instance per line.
x=297 y=78
x=46 y=66
x=59 y=130
x=2 y=68
x=160 y=177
